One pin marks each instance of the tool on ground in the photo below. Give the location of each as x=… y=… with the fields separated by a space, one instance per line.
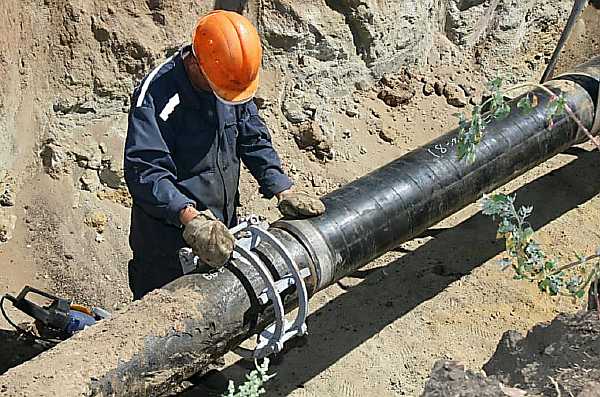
x=55 y=321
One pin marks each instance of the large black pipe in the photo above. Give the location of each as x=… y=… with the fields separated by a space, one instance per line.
x=397 y=202
x=175 y=332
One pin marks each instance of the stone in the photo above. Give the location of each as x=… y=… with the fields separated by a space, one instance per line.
x=53 y=158
x=395 y=97
x=310 y=134
x=7 y=189
x=8 y=222
x=455 y=95
x=90 y=181
x=397 y=89
x=351 y=112
x=294 y=113
x=112 y=177
x=97 y=220
x=88 y=156
x=428 y=89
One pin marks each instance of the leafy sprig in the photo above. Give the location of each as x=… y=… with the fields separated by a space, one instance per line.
x=529 y=261
x=253 y=387
x=497 y=108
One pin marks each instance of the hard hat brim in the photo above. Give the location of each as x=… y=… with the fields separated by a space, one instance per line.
x=236 y=97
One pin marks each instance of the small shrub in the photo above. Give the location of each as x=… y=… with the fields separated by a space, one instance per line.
x=529 y=261
x=255 y=380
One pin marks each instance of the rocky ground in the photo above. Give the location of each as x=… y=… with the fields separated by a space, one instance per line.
x=559 y=358
x=347 y=86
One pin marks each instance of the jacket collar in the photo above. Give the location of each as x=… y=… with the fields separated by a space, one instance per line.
x=190 y=97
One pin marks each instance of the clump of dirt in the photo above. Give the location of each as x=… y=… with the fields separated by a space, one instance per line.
x=559 y=358
x=97 y=220
x=119 y=196
x=396 y=90
x=449 y=378
x=563 y=355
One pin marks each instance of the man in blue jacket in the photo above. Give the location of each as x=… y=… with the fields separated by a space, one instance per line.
x=191 y=122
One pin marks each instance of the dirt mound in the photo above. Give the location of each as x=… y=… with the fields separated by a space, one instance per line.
x=556 y=358
x=564 y=352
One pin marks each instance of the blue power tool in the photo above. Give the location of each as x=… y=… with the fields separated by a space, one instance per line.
x=60 y=318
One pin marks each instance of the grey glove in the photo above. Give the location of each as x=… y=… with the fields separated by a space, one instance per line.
x=300 y=205
x=209 y=239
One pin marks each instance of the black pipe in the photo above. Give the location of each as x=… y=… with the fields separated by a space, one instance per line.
x=197 y=318
x=399 y=201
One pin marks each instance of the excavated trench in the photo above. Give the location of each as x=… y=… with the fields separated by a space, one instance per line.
x=66 y=93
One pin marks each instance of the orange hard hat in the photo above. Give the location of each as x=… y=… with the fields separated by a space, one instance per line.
x=228 y=50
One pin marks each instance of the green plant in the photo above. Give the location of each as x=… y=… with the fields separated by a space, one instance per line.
x=471 y=132
x=253 y=387
x=529 y=261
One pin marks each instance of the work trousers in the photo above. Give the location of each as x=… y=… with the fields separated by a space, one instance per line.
x=147 y=274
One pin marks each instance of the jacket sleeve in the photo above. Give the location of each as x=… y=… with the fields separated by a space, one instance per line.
x=150 y=172
x=257 y=153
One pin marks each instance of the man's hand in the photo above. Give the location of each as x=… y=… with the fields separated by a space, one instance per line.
x=299 y=205
x=209 y=238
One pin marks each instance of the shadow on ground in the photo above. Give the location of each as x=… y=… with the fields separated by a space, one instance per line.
x=15 y=349
x=395 y=289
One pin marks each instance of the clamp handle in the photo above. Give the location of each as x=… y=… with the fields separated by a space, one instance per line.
x=54 y=315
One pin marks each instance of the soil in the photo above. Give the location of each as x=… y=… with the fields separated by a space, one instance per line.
x=559 y=358
x=379 y=331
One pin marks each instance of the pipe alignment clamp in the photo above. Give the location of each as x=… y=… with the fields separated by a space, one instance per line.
x=249 y=233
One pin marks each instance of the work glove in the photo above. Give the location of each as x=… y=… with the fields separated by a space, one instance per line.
x=300 y=205
x=209 y=239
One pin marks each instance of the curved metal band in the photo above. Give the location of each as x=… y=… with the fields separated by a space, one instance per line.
x=273 y=345
x=299 y=324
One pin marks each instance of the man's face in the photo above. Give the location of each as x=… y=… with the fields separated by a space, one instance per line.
x=195 y=74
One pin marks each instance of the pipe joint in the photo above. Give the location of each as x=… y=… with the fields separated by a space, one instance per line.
x=587 y=76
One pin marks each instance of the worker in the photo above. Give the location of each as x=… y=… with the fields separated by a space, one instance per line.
x=192 y=121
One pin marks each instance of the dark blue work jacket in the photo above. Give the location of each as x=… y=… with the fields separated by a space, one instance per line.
x=184 y=147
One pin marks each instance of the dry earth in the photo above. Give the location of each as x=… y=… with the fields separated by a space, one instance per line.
x=375 y=333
